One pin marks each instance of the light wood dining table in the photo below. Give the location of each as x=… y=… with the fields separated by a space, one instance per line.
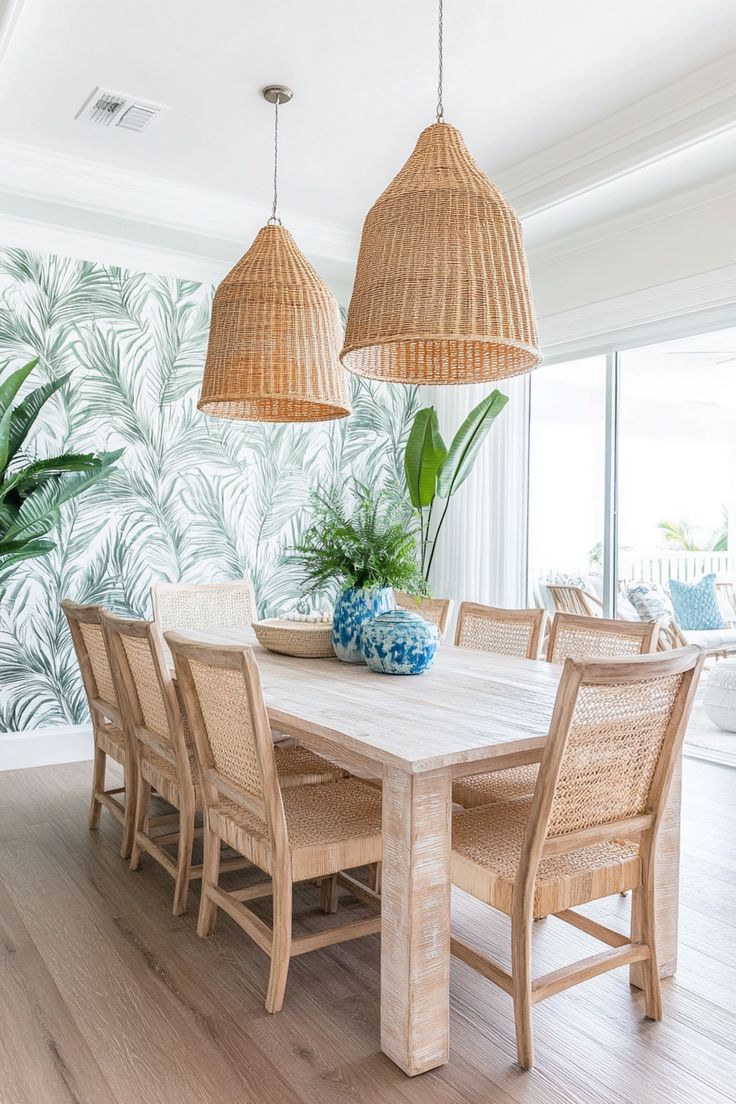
x=472 y=711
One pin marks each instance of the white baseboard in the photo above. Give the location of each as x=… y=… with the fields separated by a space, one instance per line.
x=40 y=747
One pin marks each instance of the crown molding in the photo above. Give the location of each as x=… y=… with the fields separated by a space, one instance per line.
x=677 y=308
x=620 y=226
x=75 y=182
x=677 y=117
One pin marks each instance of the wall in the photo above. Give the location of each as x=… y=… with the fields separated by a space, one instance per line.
x=193 y=497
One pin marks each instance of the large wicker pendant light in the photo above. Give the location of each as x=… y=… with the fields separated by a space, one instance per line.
x=275 y=334
x=441 y=291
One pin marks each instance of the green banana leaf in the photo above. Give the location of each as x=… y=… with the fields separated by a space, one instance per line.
x=26 y=412
x=423 y=458
x=8 y=390
x=39 y=511
x=466 y=443
x=33 y=475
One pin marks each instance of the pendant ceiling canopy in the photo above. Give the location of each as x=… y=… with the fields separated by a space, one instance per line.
x=275 y=333
x=441 y=291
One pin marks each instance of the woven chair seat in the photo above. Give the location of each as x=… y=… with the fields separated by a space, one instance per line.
x=295 y=766
x=298 y=766
x=111 y=740
x=503 y=785
x=486 y=848
x=334 y=826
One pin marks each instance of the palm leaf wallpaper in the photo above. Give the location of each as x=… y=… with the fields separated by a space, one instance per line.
x=191 y=498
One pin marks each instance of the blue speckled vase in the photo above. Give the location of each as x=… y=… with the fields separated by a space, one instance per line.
x=400 y=643
x=353 y=608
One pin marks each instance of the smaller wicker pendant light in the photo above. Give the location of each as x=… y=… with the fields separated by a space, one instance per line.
x=441 y=293
x=273 y=351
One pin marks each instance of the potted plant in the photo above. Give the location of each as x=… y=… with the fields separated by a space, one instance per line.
x=33 y=489
x=367 y=550
x=435 y=472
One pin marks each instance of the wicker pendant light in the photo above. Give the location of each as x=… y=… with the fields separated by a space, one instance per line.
x=273 y=351
x=441 y=291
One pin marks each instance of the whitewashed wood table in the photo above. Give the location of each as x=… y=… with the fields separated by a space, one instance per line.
x=471 y=711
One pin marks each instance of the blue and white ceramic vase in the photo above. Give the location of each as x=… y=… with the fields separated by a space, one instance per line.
x=400 y=643
x=353 y=609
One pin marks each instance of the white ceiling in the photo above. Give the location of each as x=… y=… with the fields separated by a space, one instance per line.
x=519 y=77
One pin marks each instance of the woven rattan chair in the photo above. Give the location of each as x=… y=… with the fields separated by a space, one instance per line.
x=298 y=834
x=573 y=599
x=589 y=830
x=165 y=753
x=108 y=730
x=183 y=606
x=436 y=610
x=501 y=631
x=573 y=636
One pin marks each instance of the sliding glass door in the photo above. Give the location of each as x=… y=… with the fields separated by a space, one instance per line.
x=632 y=468
x=566 y=476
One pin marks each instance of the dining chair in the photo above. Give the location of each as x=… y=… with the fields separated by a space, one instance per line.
x=514 y=632
x=108 y=729
x=436 y=610
x=303 y=833
x=571 y=636
x=182 y=606
x=574 y=636
x=165 y=751
x=574 y=599
x=589 y=830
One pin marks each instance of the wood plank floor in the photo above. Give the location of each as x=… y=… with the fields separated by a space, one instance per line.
x=106 y=998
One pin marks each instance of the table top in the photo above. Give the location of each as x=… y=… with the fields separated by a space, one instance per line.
x=469 y=706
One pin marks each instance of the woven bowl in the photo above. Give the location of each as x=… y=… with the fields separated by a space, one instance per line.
x=307 y=639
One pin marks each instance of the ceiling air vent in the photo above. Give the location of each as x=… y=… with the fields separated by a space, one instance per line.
x=115 y=109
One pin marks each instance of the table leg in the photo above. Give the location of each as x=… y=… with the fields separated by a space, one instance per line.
x=667 y=885
x=415 y=927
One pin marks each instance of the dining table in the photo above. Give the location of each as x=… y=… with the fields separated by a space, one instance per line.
x=470 y=712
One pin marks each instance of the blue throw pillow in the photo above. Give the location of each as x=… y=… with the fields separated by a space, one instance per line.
x=696 y=604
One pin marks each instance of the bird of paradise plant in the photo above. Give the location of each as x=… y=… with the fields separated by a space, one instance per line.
x=435 y=472
x=33 y=490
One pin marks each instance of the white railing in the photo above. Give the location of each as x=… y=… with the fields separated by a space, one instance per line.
x=685 y=566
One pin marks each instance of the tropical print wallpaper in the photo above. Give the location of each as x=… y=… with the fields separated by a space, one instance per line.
x=192 y=497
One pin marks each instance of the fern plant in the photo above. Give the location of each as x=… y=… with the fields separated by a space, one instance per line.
x=33 y=490
x=371 y=545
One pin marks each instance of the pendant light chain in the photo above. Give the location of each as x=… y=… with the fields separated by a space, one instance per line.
x=274 y=219
x=440 y=105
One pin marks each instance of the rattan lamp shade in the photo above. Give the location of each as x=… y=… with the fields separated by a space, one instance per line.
x=273 y=352
x=441 y=292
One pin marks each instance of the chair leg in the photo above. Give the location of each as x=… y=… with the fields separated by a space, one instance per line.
x=521 y=975
x=142 y=807
x=328 y=894
x=98 y=784
x=374 y=877
x=643 y=931
x=131 y=805
x=281 y=948
x=183 y=860
x=210 y=878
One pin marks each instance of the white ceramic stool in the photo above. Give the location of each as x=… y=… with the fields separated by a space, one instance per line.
x=719 y=696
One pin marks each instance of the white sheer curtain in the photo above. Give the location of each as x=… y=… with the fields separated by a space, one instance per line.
x=481 y=555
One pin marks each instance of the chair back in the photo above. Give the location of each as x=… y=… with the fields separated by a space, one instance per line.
x=503 y=631
x=146 y=690
x=573 y=636
x=85 y=625
x=222 y=694
x=182 y=606
x=616 y=732
x=573 y=599
x=435 y=610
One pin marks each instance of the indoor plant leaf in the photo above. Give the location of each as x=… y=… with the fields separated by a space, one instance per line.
x=466 y=443
x=423 y=458
x=26 y=412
